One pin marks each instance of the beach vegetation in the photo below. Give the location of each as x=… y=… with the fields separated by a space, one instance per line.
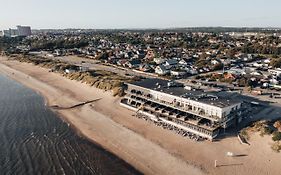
x=276 y=146
x=276 y=136
x=244 y=133
x=101 y=79
x=266 y=130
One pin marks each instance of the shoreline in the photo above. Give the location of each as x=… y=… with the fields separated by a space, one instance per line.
x=64 y=118
x=68 y=116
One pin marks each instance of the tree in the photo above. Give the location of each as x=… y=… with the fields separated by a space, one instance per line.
x=231 y=53
x=242 y=82
x=218 y=66
x=275 y=62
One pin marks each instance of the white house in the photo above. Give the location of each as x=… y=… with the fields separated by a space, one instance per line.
x=177 y=73
x=161 y=70
x=159 y=60
x=183 y=62
x=193 y=71
x=267 y=61
x=258 y=65
x=68 y=71
x=214 y=62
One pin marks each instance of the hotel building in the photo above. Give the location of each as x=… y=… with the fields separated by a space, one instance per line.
x=20 y=31
x=201 y=113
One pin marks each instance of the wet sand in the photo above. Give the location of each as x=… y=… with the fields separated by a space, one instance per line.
x=148 y=148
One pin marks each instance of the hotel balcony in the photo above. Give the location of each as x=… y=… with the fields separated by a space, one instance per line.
x=188 y=109
x=180 y=121
x=158 y=109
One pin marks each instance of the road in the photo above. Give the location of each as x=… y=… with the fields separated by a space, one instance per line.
x=96 y=65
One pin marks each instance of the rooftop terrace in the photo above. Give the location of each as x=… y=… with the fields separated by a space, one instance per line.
x=218 y=99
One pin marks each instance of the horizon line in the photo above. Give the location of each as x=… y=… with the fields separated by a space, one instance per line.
x=156 y=28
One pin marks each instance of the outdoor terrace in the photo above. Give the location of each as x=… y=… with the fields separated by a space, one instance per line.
x=183 y=117
x=189 y=109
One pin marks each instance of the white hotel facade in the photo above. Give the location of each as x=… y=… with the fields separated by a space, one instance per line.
x=195 y=111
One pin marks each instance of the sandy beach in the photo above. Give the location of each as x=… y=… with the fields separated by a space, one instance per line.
x=148 y=148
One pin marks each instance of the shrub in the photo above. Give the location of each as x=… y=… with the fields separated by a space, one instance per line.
x=266 y=131
x=276 y=147
x=244 y=133
x=115 y=91
x=259 y=125
x=118 y=91
x=117 y=84
x=276 y=136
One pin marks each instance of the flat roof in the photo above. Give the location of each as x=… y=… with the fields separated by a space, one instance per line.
x=218 y=99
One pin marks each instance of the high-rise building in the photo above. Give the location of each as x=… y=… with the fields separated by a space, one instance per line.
x=24 y=30
x=10 y=33
x=20 y=31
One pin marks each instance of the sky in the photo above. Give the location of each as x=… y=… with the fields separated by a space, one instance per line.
x=104 y=14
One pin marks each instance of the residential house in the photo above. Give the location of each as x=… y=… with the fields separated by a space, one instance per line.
x=161 y=70
x=193 y=71
x=122 y=62
x=215 y=62
x=178 y=73
x=159 y=60
x=171 y=62
x=183 y=62
x=145 y=67
x=70 y=70
x=133 y=63
x=236 y=72
x=246 y=57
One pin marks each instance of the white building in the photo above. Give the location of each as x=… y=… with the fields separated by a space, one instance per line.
x=159 y=60
x=20 y=31
x=69 y=71
x=161 y=70
x=195 y=111
x=10 y=33
x=177 y=72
